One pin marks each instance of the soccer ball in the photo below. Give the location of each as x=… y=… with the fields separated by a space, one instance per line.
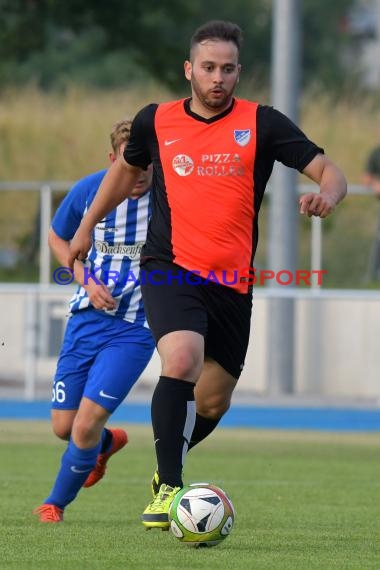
x=201 y=515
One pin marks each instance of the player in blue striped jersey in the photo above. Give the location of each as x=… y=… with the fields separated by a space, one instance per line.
x=107 y=343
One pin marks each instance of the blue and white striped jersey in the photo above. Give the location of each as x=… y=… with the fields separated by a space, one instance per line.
x=117 y=241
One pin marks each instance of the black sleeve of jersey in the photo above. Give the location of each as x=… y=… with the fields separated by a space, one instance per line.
x=139 y=147
x=284 y=140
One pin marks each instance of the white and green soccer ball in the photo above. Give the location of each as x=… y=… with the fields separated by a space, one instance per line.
x=201 y=514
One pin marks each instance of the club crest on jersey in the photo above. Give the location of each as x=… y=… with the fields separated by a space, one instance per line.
x=242 y=137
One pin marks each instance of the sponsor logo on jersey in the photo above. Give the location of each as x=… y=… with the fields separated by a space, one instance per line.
x=132 y=251
x=221 y=164
x=183 y=165
x=105 y=229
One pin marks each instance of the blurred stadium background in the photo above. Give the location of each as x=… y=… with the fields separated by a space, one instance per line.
x=67 y=82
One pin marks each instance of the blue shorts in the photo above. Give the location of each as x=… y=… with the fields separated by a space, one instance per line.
x=101 y=358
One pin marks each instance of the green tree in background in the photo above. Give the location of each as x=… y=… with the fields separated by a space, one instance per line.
x=54 y=42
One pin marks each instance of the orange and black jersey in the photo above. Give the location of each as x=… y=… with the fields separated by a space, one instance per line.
x=209 y=178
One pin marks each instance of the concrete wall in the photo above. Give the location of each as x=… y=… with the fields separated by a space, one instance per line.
x=336 y=351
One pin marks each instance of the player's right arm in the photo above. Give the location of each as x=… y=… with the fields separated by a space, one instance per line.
x=116 y=186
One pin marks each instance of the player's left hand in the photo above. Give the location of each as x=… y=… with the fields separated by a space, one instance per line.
x=314 y=204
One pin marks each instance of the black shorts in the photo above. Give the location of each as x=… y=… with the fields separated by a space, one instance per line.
x=175 y=299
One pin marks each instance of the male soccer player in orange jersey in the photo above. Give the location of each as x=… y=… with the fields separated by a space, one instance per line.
x=212 y=156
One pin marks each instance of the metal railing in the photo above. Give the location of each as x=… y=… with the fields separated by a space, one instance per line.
x=36 y=319
x=48 y=188
x=26 y=366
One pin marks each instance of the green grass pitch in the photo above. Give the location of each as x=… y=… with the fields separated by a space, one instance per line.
x=303 y=501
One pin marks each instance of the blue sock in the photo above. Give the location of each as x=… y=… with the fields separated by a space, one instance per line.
x=76 y=465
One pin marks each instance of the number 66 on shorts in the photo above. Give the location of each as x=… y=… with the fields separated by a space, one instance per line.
x=59 y=394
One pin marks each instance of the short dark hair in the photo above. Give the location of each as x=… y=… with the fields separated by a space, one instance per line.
x=218 y=30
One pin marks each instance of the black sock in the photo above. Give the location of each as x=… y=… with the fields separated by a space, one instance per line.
x=203 y=427
x=173 y=418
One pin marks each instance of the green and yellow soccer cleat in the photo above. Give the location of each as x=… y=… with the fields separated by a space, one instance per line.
x=156 y=515
x=155 y=484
